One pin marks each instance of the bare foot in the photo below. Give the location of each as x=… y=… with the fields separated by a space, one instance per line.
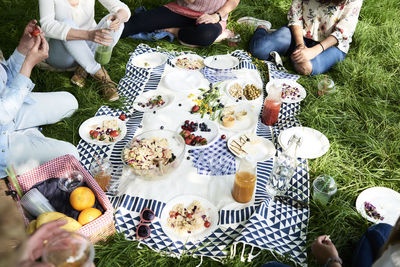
x=304 y=68
x=189 y=45
x=174 y=31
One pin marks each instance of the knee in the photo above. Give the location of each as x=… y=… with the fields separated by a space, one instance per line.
x=258 y=45
x=205 y=38
x=70 y=103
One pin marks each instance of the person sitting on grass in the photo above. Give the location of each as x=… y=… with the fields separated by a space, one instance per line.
x=21 y=112
x=194 y=22
x=74 y=37
x=378 y=247
x=317 y=37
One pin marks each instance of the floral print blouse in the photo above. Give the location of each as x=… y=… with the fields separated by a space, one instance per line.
x=320 y=20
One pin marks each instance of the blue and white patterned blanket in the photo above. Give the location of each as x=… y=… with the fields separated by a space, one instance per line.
x=265 y=223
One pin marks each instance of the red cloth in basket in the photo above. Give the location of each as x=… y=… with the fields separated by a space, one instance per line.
x=65 y=165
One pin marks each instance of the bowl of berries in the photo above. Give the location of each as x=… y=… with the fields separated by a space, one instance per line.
x=154 y=154
x=198 y=132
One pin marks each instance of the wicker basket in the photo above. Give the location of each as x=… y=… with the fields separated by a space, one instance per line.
x=96 y=230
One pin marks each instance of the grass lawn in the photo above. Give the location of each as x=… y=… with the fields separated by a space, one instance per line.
x=361 y=120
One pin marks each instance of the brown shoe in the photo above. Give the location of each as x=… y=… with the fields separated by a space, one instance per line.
x=79 y=77
x=109 y=89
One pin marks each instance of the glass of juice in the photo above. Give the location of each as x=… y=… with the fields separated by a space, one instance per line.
x=103 y=54
x=245 y=181
x=271 y=111
x=101 y=170
x=69 y=250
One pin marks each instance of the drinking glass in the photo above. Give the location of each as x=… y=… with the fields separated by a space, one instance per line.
x=101 y=170
x=70 y=181
x=69 y=250
x=326 y=86
x=324 y=188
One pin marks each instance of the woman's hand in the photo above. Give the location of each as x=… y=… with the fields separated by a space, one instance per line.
x=35 y=243
x=100 y=36
x=27 y=40
x=38 y=52
x=207 y=18
x=323 y=248
x=115 y=22
x=303 y=53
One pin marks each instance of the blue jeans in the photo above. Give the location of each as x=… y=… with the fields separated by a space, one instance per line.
x=65 y=54
x=274 y=264
x=281 y=41
x=370 y=244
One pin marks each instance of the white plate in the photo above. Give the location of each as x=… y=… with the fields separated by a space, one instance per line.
x=261 y=151
x=241 y=125
x=198 y=235
x=88 y=125
x=314 y=144
x=145 y=97
x=183 y=81
x=386 y=201
x=242 y=83
x=190 y=57
x=211 y=136
x=293 y=84
x=149 y=60
x=221 y=62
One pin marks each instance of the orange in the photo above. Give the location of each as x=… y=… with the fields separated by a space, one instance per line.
x=88 y=215
x=82 y=198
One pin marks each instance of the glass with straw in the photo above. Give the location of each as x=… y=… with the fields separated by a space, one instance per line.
x=326 y=86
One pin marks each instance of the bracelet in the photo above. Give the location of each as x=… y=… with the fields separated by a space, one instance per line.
x=219 y=15
x=323 y=48
x=329 y=260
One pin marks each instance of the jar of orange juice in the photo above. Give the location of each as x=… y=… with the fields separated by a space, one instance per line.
x=245 y=181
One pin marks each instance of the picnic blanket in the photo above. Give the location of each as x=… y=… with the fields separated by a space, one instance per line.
x=263 y=223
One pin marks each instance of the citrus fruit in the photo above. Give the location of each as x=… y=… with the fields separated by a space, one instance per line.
x=88 y=215
x=82 y=198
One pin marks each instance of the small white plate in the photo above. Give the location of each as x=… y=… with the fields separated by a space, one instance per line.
x=288 y=85
x=183 y=81
x=221 y=62
x=242 y=83
x=193 y=62
x=149 y=60
x=211 y=136
x=249 y=121
x=314 y=144
x=186 y=200
x=91 y=123
x=386 y=201
x=145 y=97
x=261 y=151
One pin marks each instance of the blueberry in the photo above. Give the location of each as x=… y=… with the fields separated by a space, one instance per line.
x=188 y=158
x=140 y=126
x=190 y=151
x=180 y=104
x=154 y=112
x=161 y=127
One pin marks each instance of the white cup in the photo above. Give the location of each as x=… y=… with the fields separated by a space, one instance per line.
x=35 y=203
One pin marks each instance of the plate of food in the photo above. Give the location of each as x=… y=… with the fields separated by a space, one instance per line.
x=154 y=154
x=251 y=147
x=183 y=81
x=238 y=117
x=198 y=132
x=152 y=101
x=149 y=60
x=221 y=62
x=242 y=90
x=189 y=218
x=379 y=205
x=292 y=92
x=102 y=130
x=188 y=62
x=314 y=144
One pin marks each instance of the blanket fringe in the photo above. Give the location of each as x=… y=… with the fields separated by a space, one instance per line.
x=242 y=258
x=251 y=256
x=201 y=261
x=233 y=251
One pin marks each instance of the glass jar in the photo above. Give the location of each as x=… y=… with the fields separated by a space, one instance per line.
x=245 y=181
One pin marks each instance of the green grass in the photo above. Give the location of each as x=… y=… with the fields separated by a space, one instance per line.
x=361 y=120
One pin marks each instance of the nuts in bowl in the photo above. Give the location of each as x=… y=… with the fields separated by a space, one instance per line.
x=154 y=154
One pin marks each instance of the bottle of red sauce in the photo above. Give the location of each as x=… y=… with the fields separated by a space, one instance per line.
x=272 y=105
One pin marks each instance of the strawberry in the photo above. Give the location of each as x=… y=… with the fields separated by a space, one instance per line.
x=94 y=134
x=114 y=133
x=188 y=141
x=185 y=133
x=207 y=224
x=195 y=108
x=197 y=139
x=122 y=117
x=35 y=32
x=203 y=141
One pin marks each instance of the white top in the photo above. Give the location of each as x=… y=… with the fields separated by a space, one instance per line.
x=320 y=20
x=53 y=12
x=390 y=258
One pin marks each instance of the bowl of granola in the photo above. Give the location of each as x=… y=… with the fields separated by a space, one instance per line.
x=154 y=154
